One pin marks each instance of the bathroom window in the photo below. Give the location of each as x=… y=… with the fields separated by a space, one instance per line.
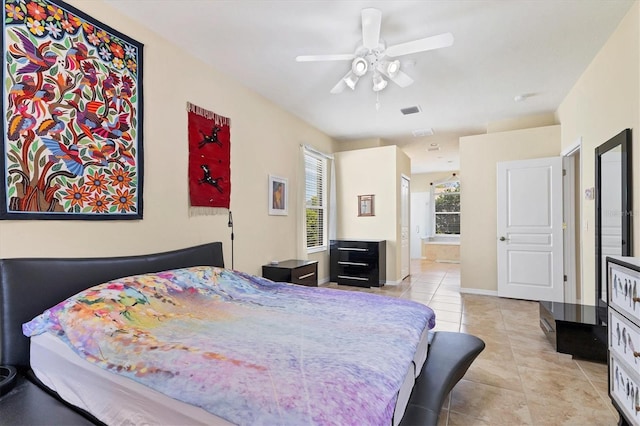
x=446 y=197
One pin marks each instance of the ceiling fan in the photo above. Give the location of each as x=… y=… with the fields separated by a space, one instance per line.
x=374 y=56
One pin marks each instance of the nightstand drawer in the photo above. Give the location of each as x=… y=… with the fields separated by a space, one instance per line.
x=305 y=275
x=303 y=272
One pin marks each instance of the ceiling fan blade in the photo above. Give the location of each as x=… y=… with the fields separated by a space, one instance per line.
x=371 y=20
x=338 y=88
x=314 y=58
x=420 y=45
x=402 y=79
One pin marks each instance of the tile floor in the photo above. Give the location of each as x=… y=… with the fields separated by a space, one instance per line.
x=518 y=379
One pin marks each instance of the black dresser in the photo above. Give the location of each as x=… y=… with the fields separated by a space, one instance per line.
x=361 y=263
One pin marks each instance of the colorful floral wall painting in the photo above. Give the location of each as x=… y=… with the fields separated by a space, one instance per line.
x=72 y=115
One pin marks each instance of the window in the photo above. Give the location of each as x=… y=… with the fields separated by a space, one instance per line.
x=447 y=207
x=315 y=201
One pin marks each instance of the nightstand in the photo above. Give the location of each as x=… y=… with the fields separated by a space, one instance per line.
x=304 y=272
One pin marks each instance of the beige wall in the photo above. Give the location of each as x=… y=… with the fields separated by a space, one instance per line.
x=357 y=144
x=478 y=158
x=374 y=171
x=264 y=140
x=528 y=122
x=603 y=102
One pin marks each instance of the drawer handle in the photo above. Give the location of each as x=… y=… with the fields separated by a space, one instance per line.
x=546 y=325
x=346 y=277
x=352 y=249
x=310 y=274
x=353 y=263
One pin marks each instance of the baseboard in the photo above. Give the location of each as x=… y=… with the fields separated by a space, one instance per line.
x=324 y=280
x=479 y=291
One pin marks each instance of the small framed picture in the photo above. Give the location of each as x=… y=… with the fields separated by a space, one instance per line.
x=278 y=196
x=366 y=205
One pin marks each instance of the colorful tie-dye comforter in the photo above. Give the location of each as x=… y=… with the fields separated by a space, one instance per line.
x=247 y=349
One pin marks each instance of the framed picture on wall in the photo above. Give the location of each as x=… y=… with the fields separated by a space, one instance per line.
x=366 y=205
x=278 y=196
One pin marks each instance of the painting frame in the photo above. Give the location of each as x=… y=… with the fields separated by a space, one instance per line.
x=366 y=205
x=80 y=155
x=278 y=200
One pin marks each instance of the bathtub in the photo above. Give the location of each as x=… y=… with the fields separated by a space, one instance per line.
x=441 y=249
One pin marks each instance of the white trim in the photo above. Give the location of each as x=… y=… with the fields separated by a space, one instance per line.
x=574 y=260
x=479 y=291
x=315 y=151
x=571 y=149
x=406 y=177
x=569 y=238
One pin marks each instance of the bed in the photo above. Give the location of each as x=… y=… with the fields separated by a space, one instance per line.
x=28 y=287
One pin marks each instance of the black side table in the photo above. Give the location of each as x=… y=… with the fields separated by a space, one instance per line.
x=304 y=272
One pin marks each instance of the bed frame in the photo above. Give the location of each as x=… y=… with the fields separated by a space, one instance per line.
x=29 y=286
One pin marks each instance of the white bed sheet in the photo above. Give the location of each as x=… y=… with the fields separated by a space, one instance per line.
x=117 y=400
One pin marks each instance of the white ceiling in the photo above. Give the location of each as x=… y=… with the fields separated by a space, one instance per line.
x=502 y=49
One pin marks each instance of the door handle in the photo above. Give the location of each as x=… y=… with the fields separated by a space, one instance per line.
x=503 y=239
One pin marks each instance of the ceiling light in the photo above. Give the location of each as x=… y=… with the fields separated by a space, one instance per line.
x=393 y=68
x=523 y=97
x=423 y=132
x=433 y=144
x=359 y=66
x=351 y=79
x=379 y=83
x=389 y=68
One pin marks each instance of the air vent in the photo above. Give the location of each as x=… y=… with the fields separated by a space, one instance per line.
x=432 y=149
x=410 y=110
x=422 y=132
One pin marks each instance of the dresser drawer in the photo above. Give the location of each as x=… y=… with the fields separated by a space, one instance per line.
x=624 y=340
x=623 y=291
x=624 y=389
x=355 y=280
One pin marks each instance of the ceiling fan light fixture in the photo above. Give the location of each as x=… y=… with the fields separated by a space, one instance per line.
x=389 y=68
x=351 y=79
x=359 y=66
x=393 y=68
x=379 y=83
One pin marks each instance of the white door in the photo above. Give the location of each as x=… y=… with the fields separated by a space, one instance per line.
x=530 y=229
x=419 y=219
x=404 y=228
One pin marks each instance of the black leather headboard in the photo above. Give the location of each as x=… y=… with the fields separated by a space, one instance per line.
x=29 y=286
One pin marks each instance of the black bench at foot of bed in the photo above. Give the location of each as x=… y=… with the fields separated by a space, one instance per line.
x=450 y=355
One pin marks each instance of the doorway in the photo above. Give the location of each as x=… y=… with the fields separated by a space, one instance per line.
x=404 y=228
x=572 y=220
x=419 y=222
